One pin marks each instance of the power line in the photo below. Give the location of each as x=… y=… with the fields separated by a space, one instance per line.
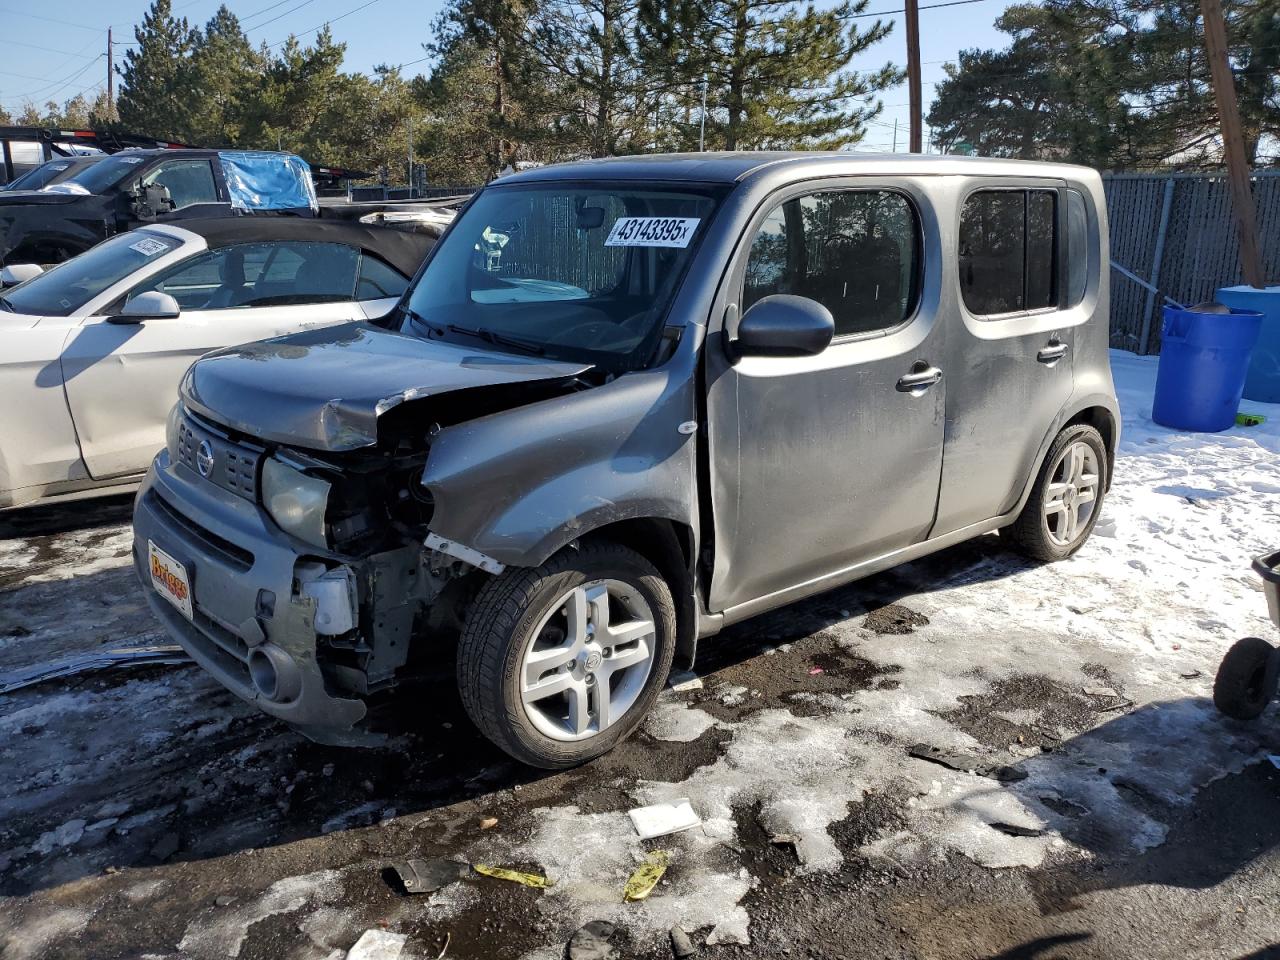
x=321 y=26
x=65 y=23
x=48 y=89
x=923 y=6
x=36 y=46
x=278 y=16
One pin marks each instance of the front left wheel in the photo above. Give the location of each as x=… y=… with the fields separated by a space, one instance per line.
x=559 y=663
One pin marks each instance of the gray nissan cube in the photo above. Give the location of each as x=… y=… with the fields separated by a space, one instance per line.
x=624 y=404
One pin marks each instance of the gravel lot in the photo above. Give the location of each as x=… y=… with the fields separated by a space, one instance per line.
x=146 y=812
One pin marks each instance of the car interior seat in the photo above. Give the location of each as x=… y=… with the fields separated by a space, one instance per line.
x=232 y=291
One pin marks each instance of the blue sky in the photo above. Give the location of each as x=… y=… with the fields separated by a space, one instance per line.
x=73 y=35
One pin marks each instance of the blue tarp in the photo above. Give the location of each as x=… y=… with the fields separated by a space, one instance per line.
x=258 y=180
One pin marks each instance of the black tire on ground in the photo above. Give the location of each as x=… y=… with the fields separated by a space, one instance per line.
x=1240 y=690
x=1030 y=532
x=499 y=625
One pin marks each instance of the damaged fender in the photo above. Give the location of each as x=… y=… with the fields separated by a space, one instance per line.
x=519 y=485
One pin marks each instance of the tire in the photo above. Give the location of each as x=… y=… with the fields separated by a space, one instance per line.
x=1240 y=689
x=520 y=623
x=1033 y=533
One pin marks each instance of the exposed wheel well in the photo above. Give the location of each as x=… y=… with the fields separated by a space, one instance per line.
x=669 y=547
x=1101 y=420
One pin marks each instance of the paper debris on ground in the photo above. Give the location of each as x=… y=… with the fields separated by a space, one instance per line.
x=663 y=818
x=684 y=681
x=646 y=876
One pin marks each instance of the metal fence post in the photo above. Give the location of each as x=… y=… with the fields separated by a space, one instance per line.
x=1158 y=257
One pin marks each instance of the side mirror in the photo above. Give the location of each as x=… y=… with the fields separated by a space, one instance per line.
x=17 y=273
x=783 y=325
x=152 y=305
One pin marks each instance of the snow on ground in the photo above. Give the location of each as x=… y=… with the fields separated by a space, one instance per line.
x=1016 y=665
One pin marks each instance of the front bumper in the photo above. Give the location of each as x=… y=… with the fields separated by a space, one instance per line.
x=249 y=629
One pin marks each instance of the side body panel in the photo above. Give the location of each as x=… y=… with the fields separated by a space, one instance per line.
x=37 y=440
x=122 y=379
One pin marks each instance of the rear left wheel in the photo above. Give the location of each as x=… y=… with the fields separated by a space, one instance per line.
x=557 y=664
x=1067 y=497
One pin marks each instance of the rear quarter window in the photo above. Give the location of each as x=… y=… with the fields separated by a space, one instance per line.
x=1008 y=251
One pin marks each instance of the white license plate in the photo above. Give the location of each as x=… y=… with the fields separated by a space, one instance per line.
x=170 y=579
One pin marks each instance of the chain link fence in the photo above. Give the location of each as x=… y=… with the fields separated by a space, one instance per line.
x=1177 y=232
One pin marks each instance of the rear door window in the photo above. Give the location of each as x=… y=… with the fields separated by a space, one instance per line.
x=857 y=252
x=1008 y=258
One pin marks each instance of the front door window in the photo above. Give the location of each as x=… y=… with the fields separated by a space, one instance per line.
x=188 y=181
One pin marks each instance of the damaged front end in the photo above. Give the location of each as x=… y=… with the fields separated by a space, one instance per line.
x=315 y=580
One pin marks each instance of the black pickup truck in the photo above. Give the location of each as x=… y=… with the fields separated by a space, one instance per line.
x=137 y=186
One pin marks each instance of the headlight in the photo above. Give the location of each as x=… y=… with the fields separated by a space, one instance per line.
x=295 y=501
x=171 y=431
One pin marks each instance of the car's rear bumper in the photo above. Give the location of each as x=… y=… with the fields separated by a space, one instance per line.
x=249 y=629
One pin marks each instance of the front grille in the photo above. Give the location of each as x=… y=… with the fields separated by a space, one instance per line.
x=235 y=557
x=230 y=465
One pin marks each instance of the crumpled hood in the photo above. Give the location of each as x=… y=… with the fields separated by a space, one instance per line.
x=325 y=389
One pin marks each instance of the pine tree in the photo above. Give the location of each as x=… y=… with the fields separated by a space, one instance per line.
x=227 y=71
x=777 y=72
x=158 y=93
x=495 y=34
x=588 y=48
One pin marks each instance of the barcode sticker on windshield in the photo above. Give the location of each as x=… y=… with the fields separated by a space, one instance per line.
x=148 y=248
x=652 y=231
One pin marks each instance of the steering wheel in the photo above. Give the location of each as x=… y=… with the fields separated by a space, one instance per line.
x=606 y=330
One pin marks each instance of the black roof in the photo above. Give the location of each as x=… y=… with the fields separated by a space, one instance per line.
x=403 y=250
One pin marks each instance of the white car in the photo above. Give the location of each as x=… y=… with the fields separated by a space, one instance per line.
x=92 y=351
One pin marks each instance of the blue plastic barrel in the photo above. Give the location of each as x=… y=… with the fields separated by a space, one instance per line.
x=1262 y=382
x=1203 y=361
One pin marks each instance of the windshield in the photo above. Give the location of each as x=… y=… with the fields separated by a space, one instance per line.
x=107 y=173
x=581 y=272
x=69 y=286
x=37 y=178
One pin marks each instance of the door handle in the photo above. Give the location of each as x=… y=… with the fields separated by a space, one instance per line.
x=1052 y=353
x=921 y=378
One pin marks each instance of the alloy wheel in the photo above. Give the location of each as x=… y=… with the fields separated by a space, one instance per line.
x=588 y=661
x=1071 y=495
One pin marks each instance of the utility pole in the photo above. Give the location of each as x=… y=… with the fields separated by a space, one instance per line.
x=1224 y=90
x=110 y=78
x=895 y=134
x=702 y=132
x=912 y=11
x=410 y=122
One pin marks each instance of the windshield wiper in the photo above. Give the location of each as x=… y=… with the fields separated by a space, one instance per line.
x=498 y=339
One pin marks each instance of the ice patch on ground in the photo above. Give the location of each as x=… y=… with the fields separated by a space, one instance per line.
x=223 y=934
x=27 y=939
x=590 y=856
x=678 y=722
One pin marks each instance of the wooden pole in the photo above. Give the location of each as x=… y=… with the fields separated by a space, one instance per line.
x=1224 y=90
x=110 y=78
x=912 y=11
